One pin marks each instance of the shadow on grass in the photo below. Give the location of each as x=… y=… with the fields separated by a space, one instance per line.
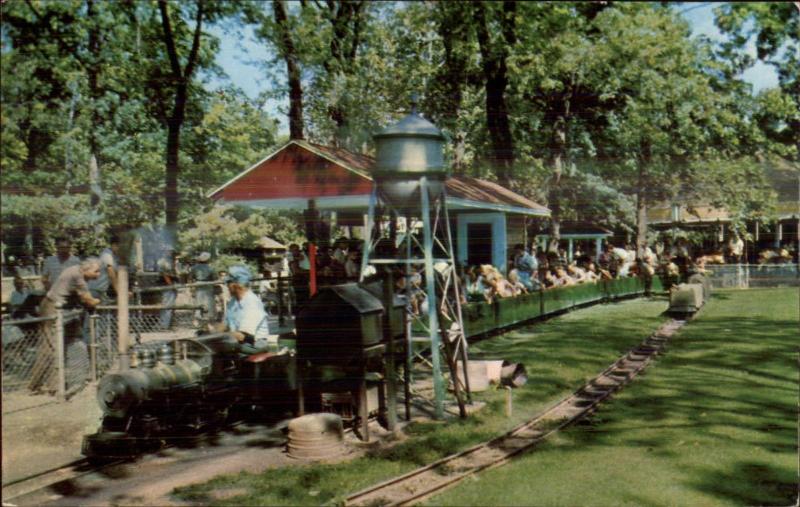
x=766 y=484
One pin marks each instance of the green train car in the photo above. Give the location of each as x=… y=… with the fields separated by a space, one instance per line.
x=481 y=317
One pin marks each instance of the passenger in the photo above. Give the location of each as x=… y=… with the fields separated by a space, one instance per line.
x=620 y=262
x=591 y=273
x=516 y=285
x=577 y=273
x=475 y=286
x=526 y=266
x=246 y=318
x=549 y=281
x=562 y=278
x=735 y=249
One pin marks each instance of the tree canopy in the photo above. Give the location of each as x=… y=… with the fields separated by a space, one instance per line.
x=114 y=111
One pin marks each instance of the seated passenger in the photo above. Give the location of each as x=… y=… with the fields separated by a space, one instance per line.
x=246 y=318
x=578 y=274
x=594 y=273
x=562 y=278
x=501 y=286
x=516 y=285
x=475 y=286
x=549 y=281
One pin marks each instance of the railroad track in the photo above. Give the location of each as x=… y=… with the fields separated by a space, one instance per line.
x=420 y=484
x=49 y=478
x=34 y=486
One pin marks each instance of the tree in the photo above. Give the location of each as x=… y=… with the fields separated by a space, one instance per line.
x=179 y=79
x=776 y=29
x=289 y=53
x=497 y=34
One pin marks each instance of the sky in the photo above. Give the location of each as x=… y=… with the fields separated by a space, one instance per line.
x=240 y=54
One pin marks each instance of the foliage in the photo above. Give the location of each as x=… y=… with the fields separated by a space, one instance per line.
x=606 y=106
x=223 y=228
x=46 y=214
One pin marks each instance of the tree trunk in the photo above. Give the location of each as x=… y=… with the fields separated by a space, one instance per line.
x=296 y=125
x=171 y=195
x=496 y=81
x=499 y=127
x=641 y=212
x=93 y=78
x=558 y=147
x=181 y=79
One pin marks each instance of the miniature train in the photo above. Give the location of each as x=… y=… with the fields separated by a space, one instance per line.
x=181 y=386
x=195 y=383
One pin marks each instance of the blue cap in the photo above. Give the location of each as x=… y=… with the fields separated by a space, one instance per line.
x=238 y=274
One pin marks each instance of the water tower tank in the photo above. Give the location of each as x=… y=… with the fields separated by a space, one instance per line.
x=406 y=151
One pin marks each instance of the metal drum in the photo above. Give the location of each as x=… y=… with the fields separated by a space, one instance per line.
x=316 y=436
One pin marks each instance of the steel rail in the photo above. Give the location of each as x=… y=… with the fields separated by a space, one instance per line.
x=448 y=471
x=48 y=478
x=38 y=481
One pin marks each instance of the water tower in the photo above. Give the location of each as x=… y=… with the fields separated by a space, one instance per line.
x=410 y=174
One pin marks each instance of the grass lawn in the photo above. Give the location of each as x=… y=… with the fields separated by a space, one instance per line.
x=713 y=422
x=560 y=355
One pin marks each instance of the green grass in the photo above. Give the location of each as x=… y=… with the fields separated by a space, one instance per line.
x=560 y=355
x=713 y=422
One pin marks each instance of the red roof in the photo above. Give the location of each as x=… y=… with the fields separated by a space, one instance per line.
x=304 y=170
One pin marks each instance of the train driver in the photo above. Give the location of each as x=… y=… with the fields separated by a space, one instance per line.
x=246 y=318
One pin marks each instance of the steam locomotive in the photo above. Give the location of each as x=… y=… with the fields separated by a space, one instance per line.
x=180 y=386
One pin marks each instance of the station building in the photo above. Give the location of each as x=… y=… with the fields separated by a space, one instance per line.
x=487 y=219
x=717 y=223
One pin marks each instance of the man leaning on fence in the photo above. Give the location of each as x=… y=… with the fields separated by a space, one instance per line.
x=70 y=290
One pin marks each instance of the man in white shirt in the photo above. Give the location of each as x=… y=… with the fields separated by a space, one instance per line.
x=246 y=318
x=55 y=264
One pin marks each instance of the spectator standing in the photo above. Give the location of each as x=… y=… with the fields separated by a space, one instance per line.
x=352 y=266
x=68 y=291
x=169 y=277
x=204 y=296
x=105 y=286
x=55 y=264
x=19 y=294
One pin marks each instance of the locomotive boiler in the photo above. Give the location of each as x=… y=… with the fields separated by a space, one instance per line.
x=185 y=385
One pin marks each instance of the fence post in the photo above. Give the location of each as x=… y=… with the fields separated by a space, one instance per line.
x=93 y=345
x=61 y=364
x=279 y=290
x=122 y=317
x=109 y=340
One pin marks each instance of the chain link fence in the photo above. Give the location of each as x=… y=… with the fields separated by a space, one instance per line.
x=743 y=276
x=22 y=340
x=56 y=356
x=44 y=354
